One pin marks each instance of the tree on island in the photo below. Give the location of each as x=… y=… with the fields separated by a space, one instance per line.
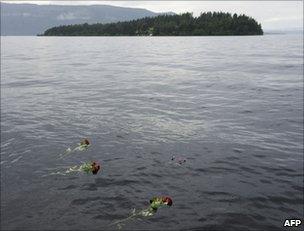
x=209 y=23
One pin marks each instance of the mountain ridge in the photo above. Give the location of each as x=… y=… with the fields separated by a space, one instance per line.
x=33 y=19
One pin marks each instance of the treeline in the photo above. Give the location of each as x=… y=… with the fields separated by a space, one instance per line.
x=216 y=23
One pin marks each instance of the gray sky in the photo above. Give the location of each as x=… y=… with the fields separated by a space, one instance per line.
x=271 y=14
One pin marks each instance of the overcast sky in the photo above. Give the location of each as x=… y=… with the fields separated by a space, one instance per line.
x=271 y=14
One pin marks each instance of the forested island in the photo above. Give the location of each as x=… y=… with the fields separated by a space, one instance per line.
x=209 y=23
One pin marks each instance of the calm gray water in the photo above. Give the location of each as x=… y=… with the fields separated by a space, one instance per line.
x=233 y=106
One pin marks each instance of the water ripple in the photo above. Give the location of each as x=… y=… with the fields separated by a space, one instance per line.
x=234 y=114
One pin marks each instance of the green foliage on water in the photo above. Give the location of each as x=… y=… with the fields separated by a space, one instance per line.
x=216 y=23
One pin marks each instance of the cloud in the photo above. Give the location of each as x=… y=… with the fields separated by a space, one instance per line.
x=66 y=16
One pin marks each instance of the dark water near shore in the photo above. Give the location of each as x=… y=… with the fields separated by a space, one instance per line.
x=233 y=106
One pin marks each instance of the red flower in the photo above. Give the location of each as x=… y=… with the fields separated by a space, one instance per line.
x=95 y=168
x=86 y=142
x=168 y=201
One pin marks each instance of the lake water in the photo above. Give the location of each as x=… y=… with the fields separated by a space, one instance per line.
x=232 y=106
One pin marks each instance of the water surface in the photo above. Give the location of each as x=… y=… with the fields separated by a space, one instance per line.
x=233 y=106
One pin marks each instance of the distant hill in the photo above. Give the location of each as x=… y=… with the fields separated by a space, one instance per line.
x=32 y=19
x=216 y=23
x=285 y=31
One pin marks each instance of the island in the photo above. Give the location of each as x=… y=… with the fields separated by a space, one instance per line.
x=209 y=23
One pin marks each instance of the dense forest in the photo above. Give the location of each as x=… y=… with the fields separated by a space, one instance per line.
x=216 y=23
